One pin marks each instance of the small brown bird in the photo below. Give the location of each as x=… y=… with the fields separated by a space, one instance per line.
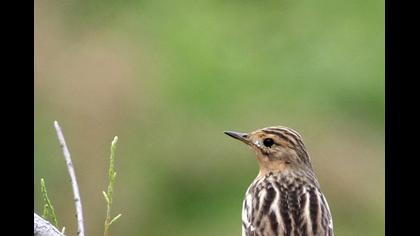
x=285 y=198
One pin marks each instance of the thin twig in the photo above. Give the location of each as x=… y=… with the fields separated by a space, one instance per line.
x=77 y=200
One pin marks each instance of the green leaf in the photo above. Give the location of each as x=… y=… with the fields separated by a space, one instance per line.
x=106 y=196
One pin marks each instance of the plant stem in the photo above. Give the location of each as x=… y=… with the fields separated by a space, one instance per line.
x=108 y=195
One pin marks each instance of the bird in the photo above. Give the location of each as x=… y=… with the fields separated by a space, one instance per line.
x=285 y=198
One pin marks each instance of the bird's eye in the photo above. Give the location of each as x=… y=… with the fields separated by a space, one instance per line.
x=268 y=142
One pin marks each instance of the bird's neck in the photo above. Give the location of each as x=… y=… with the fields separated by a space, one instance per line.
x=267 y=165
x=286 y=170
x=265 y=170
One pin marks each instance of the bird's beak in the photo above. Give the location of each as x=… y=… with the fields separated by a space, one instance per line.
x=240 y=136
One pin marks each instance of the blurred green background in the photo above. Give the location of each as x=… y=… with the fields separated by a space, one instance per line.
x=168 y=77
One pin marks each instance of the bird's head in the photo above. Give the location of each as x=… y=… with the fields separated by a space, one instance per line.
x=277 y=148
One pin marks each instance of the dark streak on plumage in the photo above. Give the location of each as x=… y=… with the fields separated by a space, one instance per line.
x=274 y=222
x=303 y=226
x=284 y=211
x=281 y=135
x=269 y=198
x=313 y=209
x=257 y=194
x=294 y=206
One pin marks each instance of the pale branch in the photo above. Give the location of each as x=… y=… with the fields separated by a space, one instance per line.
x=76 y=194
x=44 y=228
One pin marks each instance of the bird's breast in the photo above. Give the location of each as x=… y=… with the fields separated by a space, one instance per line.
x=280 y=205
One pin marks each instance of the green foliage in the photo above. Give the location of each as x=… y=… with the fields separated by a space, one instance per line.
x=109 y=194
x=48 y=211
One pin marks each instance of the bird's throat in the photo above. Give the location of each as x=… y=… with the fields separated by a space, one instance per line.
x=267 y=166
